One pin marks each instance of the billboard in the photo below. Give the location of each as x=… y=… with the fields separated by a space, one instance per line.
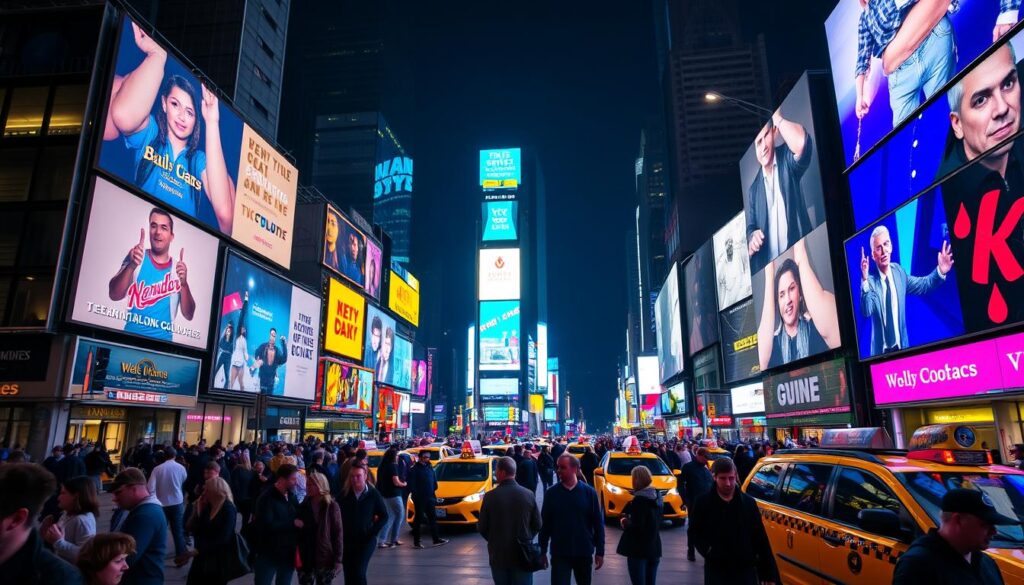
x=118 y=374
x=748 y=399
x=343 y=387
x=499 y=274
x=277 y=325
x=812 y=391
x=501 y=221
x=404 y=298
x=499 y=335
x=506 y=389
x=418 y=385
x=673 y=400
x=500 y=168
x=647 y=381
x=739 y=342
x=732 y=264
x=168 y=135
x=379 y=344
x=348 y=252
x=387 y=407
x=701 y=308
x=888 y=58
x=345 y=320
x=668 y=323
x=550 y=413
x=156 y=282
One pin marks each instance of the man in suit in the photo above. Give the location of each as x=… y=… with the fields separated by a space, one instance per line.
x=883 y=295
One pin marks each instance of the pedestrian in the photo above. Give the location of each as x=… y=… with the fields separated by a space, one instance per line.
x=390 y=486
x=744 y=462
x=166 y=483
x=103 y=560
x=422 y=489
x=213 y=526
x=527 y=474
x=276 y=526
x=588 y=463
x=96 y=462
x=140 y=516
x=641 y=542
x=363 y=516
x=953 y=553
x=684 y=455
x=573 y=523
x=509 y=518
x=243 y=490
x=77 y=524
x=696 y=481
x=320 y=536
x=726 y=528
x=546 y=467
x=1017 y=456
x=50 y=463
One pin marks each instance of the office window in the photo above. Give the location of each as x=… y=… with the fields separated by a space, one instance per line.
x=68 y=110
x=260 y=74
x=259 y=107
x=56 y=169
x=16 y=173
x=11 y=224
x=266 y=48
x=25 y=117
x=31 y=301
x=270 y=19
x=46 y=229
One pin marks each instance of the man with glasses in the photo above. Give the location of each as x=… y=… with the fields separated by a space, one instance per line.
x=140 y=516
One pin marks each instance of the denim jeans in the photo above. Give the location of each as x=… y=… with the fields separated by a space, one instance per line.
x=176 y=522
x=511 y=577
x=396 y=517
x=268 y=572
x=928 y=68
x=355 y=561
x=642 y=571
x=564 y=568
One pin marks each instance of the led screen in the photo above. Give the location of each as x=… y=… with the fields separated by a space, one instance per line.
x=739 y=342
x=550 y=413
x=343 y=387
x=748 y=399
x=348 y=252
x=500 y=220
x=499 y=335
x=673 y=400
x=419 y=378
x=388 y=407
x=404 y=298
x=145 y=271
x=499 y=388
x=499 y=274
x=732 y=264
x=346 y=316
x=117 y=374
x=647 y=381
x=701 y=308
x=500 y=168
x=668 y=323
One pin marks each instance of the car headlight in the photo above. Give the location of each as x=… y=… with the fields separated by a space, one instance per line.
x=474 y=497
x=672 y=492
x=614 y=489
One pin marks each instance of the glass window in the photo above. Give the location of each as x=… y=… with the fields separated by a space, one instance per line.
x=43 y=246
x=459 y=471
x=56 y=168
x=213 y=423
x=805 y=486
x=194 y=424
x=31 y=302
x=763 y=484
x=234 y=424
x=25 y=117
x=11 y=224
x=5 y=289
x=625 y=465
x=166 y=429
x=1006 y=492
x=16 y=173
x=68 y=110
x=858 y=490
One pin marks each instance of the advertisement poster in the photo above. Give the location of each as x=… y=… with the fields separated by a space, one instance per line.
x=144 y=271
x=499 y=274
x=118 y=374
x=345 y=319
x=499 y=389
x=343 y=387
x=389 y=404
x=647 y=375
x=401 y=359
x=379 y=346
x=404 y=299
x=500 y=168
x=748 y=399
x=419 y=378
x=275 y=327
x=168 y=135
x=499 y=335
x=739 y=342
x=673 y=400
x=500 y=220
x=669 y=326
x=818 y=393
x=351 y=254
x=701 y=308
x=732 y=264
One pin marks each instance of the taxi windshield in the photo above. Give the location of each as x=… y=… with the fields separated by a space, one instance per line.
x=1005 y=490
x=462 y=471
x=578 y=450
x=625 y=465
x=434 y=455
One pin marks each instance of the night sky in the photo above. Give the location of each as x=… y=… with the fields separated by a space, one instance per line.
x=575 y=82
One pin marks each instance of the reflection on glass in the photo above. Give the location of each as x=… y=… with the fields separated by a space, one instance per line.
x=68 y=110
x=25 y=117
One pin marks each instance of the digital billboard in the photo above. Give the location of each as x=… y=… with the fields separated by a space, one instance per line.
x=500 y=168
x=889 y=57
x=402 y=362
x=795 y=302
x=701 y=308
x=500 y=221
x=748 y=399
x=819 y=393
x=168 y=135
x=346 y=316
x=158 y=285
x=348 y=252
x=418 y=386
x=673 y=400
x=499 y=389
x=277 y=325
x=668 y=323
x=118 y=374
x=404 y=298
x=499 y=274
x=387 y=407
x=343 y=387
x=739 y=342
x=732 y=264
x=550 y=413
x=499 y=335
x=647 y=375
x=376 y=353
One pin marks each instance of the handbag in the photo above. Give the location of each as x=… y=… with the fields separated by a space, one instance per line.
x=530 y=557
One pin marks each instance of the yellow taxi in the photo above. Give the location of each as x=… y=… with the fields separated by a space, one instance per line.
x=496 y=450
x=462 y=481
x=577 y=449
x=614 y=483
x=846 y=511
x=437 y=453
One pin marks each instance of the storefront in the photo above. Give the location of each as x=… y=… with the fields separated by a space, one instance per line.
x=802 y=403
x=715 y=410
x=214 y=421
x=30 y=374
x=281 y=423
x=981 y=384
x=748 y=410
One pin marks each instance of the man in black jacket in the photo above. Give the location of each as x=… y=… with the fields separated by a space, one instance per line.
x=954 y=552
x=277 y=526
x=527 y=472
x=363 y=515
x=508 y=516
x=696 y=481
x=726 y=528
x=422 y=486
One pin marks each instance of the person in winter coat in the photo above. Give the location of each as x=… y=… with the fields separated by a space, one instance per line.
x=526 y=471
x=320 y=536
x=77 y=524
x=641 y=542
x=275 y=525
x=696 y=481
x=243 y=490
x=422 y=487
x=213 y=527
x=588 y=463
x=363 y=515
x=744 y=462
x=546 y=467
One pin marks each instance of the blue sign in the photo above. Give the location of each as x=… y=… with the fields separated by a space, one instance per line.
x=112 y=373
x=500 y=218
x=500 y=169
x=499 y=335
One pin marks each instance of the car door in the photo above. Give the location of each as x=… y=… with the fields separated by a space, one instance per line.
x=801 y=504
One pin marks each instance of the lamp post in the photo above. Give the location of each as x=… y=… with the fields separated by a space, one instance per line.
x=714 y=96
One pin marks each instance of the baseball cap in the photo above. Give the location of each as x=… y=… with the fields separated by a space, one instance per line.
x=975 y=502
x=130 y=476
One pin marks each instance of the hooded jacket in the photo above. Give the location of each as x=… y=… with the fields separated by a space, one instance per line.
x=640 y=538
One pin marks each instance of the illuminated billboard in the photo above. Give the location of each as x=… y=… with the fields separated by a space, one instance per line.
x=499 y=274
x=499 y=389
x=499 y=335
x=343 y=387
x=500 y=168
x=668 y=324
x=350 y=253
x=118 y=374
x=732 y=264
x=701 y=307
x=346 y=316
x=500 y=220
x=404 y=298
x=420 y=380
x=647 y=381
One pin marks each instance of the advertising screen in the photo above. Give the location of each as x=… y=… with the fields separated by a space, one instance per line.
x=346 y=315
x=880 y=53
x=500 y=413
x=795 y=303
x=343 y=387
x=739 y=342
x=404 y=410
x=404 y=299
x=732 y=264
x=701 y=308
x=748 y=399
x=815 y=391
x=783 y=199
x=388 y=406
x=499 y=388
x=500 y=168
x=419 y=378
x=552 y=389
x=550 y=413
x=376 y=353
x=499 y=335
x=118 y=374
x=647 y=381
x=401 y=359
x=158 y=285
x=168 y=135
x=500 y=221
x=349 y=253
x=668 y=323
x=673 y=400
x=499 y=274
x=277 y=325
x=418 y=408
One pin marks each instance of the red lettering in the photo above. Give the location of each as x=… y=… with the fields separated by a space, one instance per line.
x=990 y=240
x=141 y=295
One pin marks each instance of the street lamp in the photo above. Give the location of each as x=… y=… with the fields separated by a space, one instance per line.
x=714 y=96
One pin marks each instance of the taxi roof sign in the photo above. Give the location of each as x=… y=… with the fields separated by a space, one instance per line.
x=950 y=444
x=856 y=438
x=631 y=445
x=368 y=445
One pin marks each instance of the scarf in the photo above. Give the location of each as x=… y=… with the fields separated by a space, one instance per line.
x=800 y=347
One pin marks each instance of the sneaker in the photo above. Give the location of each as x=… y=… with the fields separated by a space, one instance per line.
x=386 y=545
x=441 y=542
x=397 y=543
x=418 y=546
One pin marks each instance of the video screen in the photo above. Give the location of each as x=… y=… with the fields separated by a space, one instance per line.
x=118 y=374
x=795 y=303
x=349 y=253
x=500 y=221
x=402 y=361
x=343 y=387
x=732 y=264
x=499 y=389
x=499 y=274
x=500 y=335
x=388 y=407
x=379 y=345
x=158 y=285
x=673 y=400
x=701 y=307
x=889 y=57
x=167 y=134
x=781 y=179
x=739 y=342
x=500 y=168
x=647 y=381
x=669 y=326
x=748 y=399
x=419 y=378
x=404 y=298
x=346 y=316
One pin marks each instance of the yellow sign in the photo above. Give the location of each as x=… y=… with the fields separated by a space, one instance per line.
x=343 y=333
x=711 y=410
x=404 y=299
x=963 y=414
x=536 y=403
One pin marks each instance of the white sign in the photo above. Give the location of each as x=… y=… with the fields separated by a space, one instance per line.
x=748 y=399
x=648 y=374
x=499 y=386
x=499 y=274
x=419 y=408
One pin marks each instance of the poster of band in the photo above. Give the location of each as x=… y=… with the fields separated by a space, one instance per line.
x=343 y=387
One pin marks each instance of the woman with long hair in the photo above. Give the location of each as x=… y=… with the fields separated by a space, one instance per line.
x=213 y=527
x=640 y=542
x=242 y=488
x=320 y=536
x=103 y=559
x=77 y=523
